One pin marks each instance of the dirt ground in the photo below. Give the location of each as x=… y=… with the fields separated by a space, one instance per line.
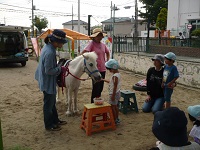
x=22 y=118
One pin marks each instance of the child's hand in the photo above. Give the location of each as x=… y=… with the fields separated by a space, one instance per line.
x=104 y=80
x=172 y=86
x=169 y=85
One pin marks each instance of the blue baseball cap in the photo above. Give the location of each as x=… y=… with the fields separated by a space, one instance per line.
x=171 y=56
x=194 y=111
x=112 y=64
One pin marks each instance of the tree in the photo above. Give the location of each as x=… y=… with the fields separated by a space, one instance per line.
x=40 y=22
x=161 y=21
x=196 y=32
x=153 y=8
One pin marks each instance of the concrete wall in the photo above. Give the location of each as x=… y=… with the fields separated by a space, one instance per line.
x=189 y=70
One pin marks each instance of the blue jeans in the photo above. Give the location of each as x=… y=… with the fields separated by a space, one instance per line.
x=168 y=94
x=49 y=110
x=153 y=105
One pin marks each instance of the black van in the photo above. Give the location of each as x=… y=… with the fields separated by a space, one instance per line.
x=13 y=45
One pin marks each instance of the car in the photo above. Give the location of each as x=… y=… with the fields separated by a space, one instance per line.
x=13 y=44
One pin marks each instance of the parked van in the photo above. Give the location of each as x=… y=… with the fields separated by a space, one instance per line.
x=13 y=45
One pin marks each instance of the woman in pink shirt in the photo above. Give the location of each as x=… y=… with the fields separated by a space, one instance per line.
x=102 y=52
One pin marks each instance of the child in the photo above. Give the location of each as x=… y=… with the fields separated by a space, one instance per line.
x=194 y=115
x=114 y=87
x=170 y=75
x=170 y=128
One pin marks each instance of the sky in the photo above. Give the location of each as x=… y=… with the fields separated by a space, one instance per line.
x=18 y=12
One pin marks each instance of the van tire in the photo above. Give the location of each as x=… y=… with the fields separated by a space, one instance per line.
x=23 y=63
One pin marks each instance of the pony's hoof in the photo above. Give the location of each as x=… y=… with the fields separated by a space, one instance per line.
x=68 y=113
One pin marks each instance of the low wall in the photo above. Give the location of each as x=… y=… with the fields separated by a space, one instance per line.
x=179 y=51
x=189 y=71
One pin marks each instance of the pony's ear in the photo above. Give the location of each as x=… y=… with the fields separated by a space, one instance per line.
x=86 y=57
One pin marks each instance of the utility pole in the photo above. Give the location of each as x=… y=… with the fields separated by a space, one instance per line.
x=32 y=20
x=79 y=24
x=111 y=19
x=72 y=17
x=89 y=24
x=136 y=19
x=113 y=28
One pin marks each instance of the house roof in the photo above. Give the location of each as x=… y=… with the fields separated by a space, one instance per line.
x=75 y=22
x=117 y=19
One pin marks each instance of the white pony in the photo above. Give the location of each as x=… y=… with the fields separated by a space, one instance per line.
x=85 y=63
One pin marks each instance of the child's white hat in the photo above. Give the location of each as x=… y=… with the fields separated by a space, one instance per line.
x=194 y=111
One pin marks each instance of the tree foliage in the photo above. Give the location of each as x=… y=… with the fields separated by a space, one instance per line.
x=152 y=8
x=161 y=21
x=40 y=22
x=196 y=32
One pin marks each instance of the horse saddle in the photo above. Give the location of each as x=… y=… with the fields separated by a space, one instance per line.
x=60 y=80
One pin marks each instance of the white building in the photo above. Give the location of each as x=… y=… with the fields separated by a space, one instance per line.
x=73 y=25
x=180 y=14
x=123 y=26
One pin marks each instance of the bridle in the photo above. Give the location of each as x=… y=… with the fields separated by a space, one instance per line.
x=86 y=68
x=65 y=74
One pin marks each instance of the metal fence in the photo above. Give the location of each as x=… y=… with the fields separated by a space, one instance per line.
x=138 y=44
x=129 y=44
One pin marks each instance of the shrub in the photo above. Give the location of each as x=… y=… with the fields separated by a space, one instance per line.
x=196 y=32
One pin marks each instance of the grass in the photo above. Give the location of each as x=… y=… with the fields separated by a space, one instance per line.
x=19 y=148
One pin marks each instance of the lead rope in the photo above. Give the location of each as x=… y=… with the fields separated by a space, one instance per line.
x=65 y=75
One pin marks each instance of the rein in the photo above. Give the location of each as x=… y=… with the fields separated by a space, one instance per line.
x=67 y=72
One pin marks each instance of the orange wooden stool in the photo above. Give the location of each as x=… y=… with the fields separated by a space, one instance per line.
x=97 y=118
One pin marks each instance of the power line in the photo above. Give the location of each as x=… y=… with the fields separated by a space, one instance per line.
x=52 y=12
x=14 y=6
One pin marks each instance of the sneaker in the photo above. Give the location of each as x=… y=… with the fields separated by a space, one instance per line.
x=118 y=119
x=117 y=122
x=55 y=128
x=62 y=122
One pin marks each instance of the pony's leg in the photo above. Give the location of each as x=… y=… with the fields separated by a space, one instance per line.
x=66 y=96
x=75 y=100
x=69 y=109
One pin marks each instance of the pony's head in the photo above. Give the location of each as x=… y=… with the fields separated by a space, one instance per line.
x=90 y=64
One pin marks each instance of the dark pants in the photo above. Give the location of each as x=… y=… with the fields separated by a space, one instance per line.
x=97 y=88
x=50 y=111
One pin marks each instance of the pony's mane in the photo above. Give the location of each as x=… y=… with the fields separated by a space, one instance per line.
x=91 y=55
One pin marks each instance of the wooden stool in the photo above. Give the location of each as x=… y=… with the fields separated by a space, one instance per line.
x=97 y=118
x=126 y=104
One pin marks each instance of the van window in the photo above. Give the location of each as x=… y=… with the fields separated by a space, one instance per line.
x=11 y=43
